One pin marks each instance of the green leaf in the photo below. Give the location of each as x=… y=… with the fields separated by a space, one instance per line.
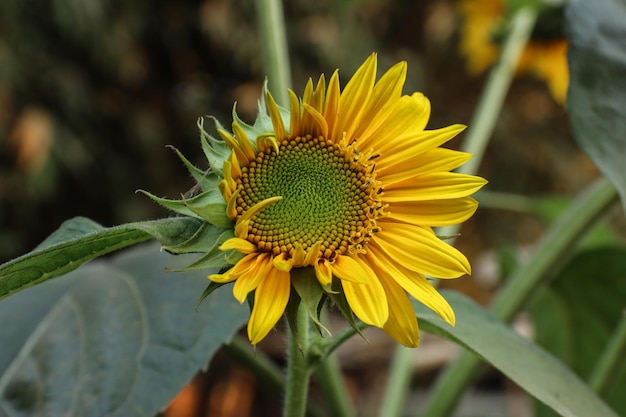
x=525 y=363
x=116 y=339
x=576 y=317
x=79 y=240
x=597 y=94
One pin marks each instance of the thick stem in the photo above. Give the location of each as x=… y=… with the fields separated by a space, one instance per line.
x=274 y=48
x=298 y=373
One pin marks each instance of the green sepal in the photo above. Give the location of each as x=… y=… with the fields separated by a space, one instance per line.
x=311 y=294
x=214 y=258
x=209 y=289
x=214 y=213
x=207 y=180
x=341 y=302
x=263 y=123
x=202 y=241
x=216 y=151
x=291 y=313
x=205 y=206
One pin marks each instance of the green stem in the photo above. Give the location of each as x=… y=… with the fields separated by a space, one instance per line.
x=274 y=48
x=398 y=383
x=551 y=253
x=298 y=373
x=333 y=388
x=610 y=363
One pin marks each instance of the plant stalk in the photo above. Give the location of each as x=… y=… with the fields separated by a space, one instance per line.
x=298 y=373
x=270 y=17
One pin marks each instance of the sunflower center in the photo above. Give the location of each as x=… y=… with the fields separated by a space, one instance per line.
x=329 y=196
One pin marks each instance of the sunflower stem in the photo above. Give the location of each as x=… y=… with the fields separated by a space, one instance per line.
x=610 y=363
x=398 y=382
x=271 y=21
x=550 y=255
x=298 y=373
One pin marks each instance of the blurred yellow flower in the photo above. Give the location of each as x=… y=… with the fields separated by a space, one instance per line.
x=350 y=184
x=545 y=55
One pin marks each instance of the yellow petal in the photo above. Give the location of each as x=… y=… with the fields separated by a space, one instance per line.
x=433 y=186
x=241 y=245
x=354 y=98
x=223 y=278
x=295 y=125
x=397 y=148
x=233 y=273
x=413 y=282
x=254 y=210
x=347 y=268
x=386 y=91
x=244 y=145
x=317 y=123
x=251 y=277
x=433 y=160
x=277 y=120
x=420 y=250
x=433 y=212
x=231 y=205
x=331 y=103
x=283 y=263
x=323 y=273
x=402 y=322
x=270 y=299
x=368 y=300
x=406 y=117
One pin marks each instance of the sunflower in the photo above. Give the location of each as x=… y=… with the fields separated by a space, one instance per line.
x=347 y=185
x=545 y=55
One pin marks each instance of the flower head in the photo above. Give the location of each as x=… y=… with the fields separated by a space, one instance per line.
x=545 y=55
x=347 y=184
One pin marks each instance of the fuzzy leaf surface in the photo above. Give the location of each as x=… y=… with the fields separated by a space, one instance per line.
x=114 y=338
x=78 y=240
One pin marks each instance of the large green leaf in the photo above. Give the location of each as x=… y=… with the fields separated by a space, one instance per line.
x=597 y=94
x=116 y=338
x=525 y=363
x=79 y=240
x=575 y=318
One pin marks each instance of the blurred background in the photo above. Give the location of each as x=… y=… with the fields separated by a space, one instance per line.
x=92 y=91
